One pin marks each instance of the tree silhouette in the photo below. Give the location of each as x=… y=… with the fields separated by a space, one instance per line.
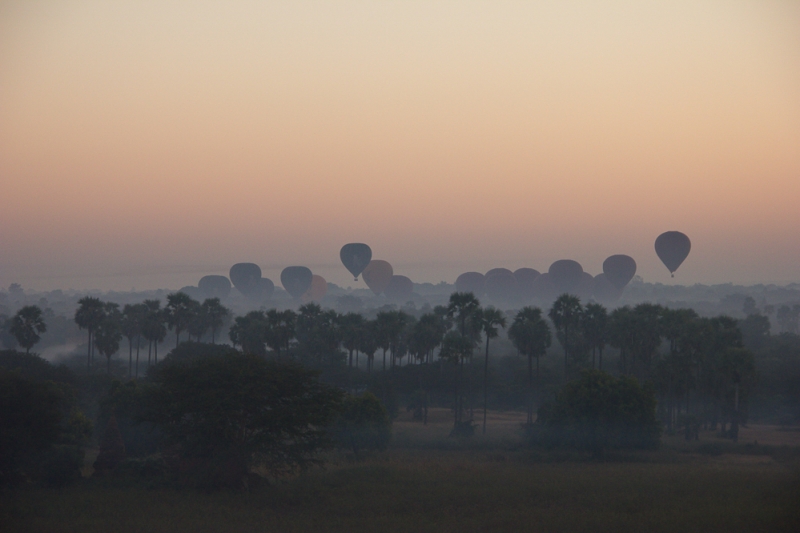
x=250 y=332
x=490 y=319
x=133 y=317
x=531 y=336
x=154 y=329
x=214 y=313
x=456 y=348
x=566 y=315
x=351 y=325
x=594 y=323
x=109 y=333
x=26 y=325
x=368 y=343
x=181 y=309
x=281 y=327
x=88 y=316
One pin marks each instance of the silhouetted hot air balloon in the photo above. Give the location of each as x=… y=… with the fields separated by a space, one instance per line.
x=544 y=289
x=619 y=269
x=191 y=291
x=471 y=282
x=266 y=288
x=355 y=257
x=672 y=248
x=317 y=291
x=377 y=275
x=296 y=280
x=605 y=291
x=585 y=287
x=501 y=285
x=215 y=286
x=400 y=288
x=566 y=274
x=246 y=277
x=525 y=278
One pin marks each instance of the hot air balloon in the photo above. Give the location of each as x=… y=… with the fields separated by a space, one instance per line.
x=471 y=282
x=215 y=286
x=191 y=291
x=245 y=277
x=544 y=289
x=619 y=269
x=672 y=248
x=266 y=288
x=400 y=288
x=525 y=278
x=604 y=290
x=296 y=280
x=585 y=287
x=566 y=275
x=377 y=275
x=317 y=291
x=501 y=285
x=355 y=257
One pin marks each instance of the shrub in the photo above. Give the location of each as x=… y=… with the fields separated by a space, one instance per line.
x=598 y=412
x=362 y=424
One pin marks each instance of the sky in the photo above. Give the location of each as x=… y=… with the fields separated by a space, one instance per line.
x=145 y=144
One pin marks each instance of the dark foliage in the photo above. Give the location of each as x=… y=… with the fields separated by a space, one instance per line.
x=362 y=424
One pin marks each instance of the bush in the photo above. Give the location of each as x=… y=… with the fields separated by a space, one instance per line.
x=598 y=412
x=362 y=424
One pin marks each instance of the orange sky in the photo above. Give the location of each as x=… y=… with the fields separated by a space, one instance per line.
x=143 y=144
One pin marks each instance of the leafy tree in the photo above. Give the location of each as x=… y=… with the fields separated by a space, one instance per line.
x=362 y=424
x=597 y=412
x=233 y=412
x=490 y=319
x=318 y=333
x=26 y=325
x=755 y=331
x=531 y=337
x=788 y=318
x=109 y=333
x=180 y=311
x=566 y=315
x=88 y=316
x=461 y=307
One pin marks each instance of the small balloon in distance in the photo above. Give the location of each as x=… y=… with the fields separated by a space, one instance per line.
x=377 y=275
x=673 y=247
x=355 y=257
x=296 y=280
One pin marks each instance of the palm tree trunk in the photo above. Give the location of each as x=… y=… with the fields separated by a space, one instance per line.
x=530 y=387
x=138 y=343
x=485 y=384
x=89 y=352
x=130 y=358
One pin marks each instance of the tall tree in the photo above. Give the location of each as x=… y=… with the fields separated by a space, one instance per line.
x=250 y=332
x=180 y=311
x=281 y=327
x=109 y=333
x=490 y=319
x=88 y=316
x=566 y=315
x=531 y=337
x=26 y=325
x=368 y=343
x=154 y=329
x=215 y=315
x=594 y=323
x=133 y=317
x=352 y=325
x=456 y=348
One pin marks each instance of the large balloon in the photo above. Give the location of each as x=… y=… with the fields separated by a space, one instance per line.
x=355 y=257
x=619 y=269
x=317 y=291
x=266 y=288
x=471 y=282
x=566 y=275
x=501 y=285
x=245 y=277
x=672 y=248
x=585 y=287
x=215 y=286
x=544 y=289
x=296 y=280
x=525 y=278
x=400 y=288
x=377 y=275
x=605 y=291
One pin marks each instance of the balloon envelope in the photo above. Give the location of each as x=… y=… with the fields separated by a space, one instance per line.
x=355 y=257
x=266 y=288
x=501 y=285
x=215 y=286
x=317 y=291
x=566 y=275
x=544 y=289
x=296 y=280
x=672 y=248
x=585 y=287
x=377 y=275
x=619 y=270
x=525 y=278
x=399 y=288
x=471 y=282
x=245 y=277
x=604 y=290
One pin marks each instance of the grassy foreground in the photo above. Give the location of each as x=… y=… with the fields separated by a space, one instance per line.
x=486 y=485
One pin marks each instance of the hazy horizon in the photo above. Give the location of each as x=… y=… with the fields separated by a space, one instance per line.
x=147 y=144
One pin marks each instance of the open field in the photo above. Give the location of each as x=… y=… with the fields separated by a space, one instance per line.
x=483 y=484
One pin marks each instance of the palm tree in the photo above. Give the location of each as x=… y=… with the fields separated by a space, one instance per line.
x=427 y=334
x=531 y=336
x=351 y=325
x=489 y=319
x=88 y=316
x=154 y=329
x=181 y=309
x=280 y=329
x=462 y=306
x=26 y=326
x=133 y=317
x=109 y=333
x=215 y=314
x=566 y=315
x=368 y=343
x=383 y=332
x=595 y=325
x=456 y=348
